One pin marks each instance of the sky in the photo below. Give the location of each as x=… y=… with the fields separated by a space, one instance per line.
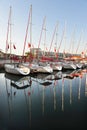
x=71 y=16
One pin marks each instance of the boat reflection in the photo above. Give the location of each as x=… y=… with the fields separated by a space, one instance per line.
x=40 y=79
x=72 y=74
x=55 y=76
x=44 y=96
x=13 y=84
x=86 y=87
x=19 y=82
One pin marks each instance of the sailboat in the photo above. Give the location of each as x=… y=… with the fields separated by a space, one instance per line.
x=13 y=68
x=56 y=65
x=35 y=66
x=17 y=69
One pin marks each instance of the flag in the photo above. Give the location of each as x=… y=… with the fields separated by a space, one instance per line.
x=14 y=46
x=29 y=45
x=8 y=46
x=55 y=49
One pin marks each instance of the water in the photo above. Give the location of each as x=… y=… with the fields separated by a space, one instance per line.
x=35 y=102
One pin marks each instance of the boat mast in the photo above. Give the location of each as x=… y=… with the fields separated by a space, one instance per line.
x=55 y=30
x=71 y=48
x=43 y=26
x=41 y=31
x=8 y=29
x=31 y=27
x=78 y=44
x=29 y=18
x=61 y=40
x=64 y=50
x=44 y=38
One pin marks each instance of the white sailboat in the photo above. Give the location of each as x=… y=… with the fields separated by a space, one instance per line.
x=45 y=69
x=10 y=67
x=16 y=69
x=56 y=66
x=69 y=65
x=36 y=67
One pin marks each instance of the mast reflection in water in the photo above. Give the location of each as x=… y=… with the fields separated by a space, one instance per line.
x=43 y=101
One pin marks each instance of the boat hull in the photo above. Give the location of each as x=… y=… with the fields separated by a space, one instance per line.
x=16 y=69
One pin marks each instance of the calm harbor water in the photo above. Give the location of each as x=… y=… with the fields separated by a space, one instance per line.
x=42 y=101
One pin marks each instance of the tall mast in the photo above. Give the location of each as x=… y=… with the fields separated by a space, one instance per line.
x=61 y=40
x=8 y=29
x=43 y=28
x=71 y=48
x=78 y=44
x=53 y=36
x=31 y=27
x=29 y=18
x=64 y=39
x=41 y=31
x=44 y=37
